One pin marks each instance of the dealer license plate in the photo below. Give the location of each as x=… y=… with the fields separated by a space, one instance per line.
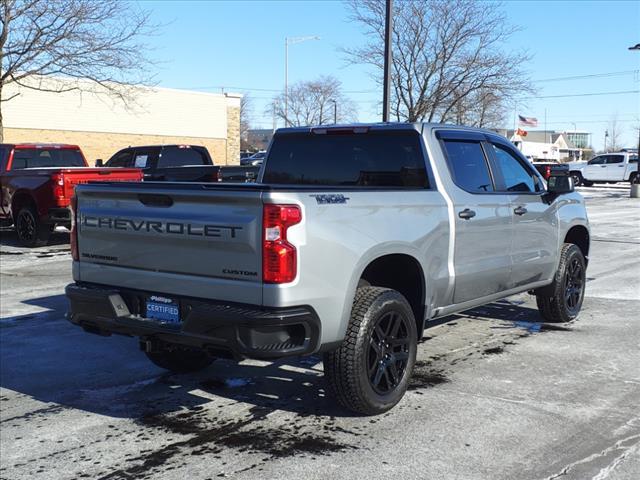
x=163 y=309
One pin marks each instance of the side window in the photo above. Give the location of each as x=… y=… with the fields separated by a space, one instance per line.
x=121 y=159
x=3 y=157
x=597 y=160
x=468 y=166
x=633 y=159
x=614 y=159
x=515 y=176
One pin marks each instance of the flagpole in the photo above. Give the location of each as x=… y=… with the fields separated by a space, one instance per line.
x=545 y=125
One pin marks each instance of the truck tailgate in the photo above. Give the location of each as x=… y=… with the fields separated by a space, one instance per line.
x=78 y=176
x=172 y=238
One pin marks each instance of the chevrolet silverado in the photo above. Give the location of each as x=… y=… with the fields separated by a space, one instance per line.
x=352 y=241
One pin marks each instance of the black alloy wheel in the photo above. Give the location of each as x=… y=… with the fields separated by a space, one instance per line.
x=26 y=226
x=573 y=285
x=561 y=300
x=388 y=352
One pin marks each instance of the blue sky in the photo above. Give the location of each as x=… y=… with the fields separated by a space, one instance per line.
x=239 y=45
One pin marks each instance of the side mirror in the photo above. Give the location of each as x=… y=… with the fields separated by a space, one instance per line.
x=560 y=180
x=99 y=163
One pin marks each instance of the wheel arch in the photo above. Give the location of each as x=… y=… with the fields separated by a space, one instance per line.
x=401 y=272
x=579 y=236
x=20 y=199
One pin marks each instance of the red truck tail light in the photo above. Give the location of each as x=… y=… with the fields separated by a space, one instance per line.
x=74 y=228
x=547 y=172
x=279 y=257
x=58 y=188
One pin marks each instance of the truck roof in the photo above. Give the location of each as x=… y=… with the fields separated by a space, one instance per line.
x=383 y=126
x=33 y=146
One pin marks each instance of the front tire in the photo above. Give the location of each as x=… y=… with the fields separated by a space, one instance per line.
x=562 y=300
x=31 y=231
x=180 y=360
x=370 y=372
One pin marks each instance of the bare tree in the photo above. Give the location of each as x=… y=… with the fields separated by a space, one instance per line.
x=315 y=103
x=615 y=131
x=246 y=108
x=447 y=57
x=65 y=45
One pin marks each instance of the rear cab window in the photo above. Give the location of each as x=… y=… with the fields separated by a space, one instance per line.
x=46 y=157
x=384 y=159
x=180 y=156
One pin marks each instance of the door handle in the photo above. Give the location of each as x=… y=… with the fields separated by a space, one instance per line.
x=520 y=210
x=603 y=166
x=467 y=214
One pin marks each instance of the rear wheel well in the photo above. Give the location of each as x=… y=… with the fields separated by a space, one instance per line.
x=402 y=273
x=579 y=236
x=19 y=201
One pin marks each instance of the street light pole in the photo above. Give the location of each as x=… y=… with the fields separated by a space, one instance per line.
x=636 y=47
x=335 y=111
x=388 y=27
x=290 y=41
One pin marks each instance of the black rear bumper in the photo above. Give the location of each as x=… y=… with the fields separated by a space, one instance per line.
x=241 y=330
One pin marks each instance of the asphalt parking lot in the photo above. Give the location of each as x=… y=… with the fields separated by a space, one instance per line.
x=496 y=395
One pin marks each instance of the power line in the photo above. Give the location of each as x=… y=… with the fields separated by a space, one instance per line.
x=593 y=75
x=590 y=94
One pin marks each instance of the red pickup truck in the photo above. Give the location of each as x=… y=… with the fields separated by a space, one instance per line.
x=38 y=181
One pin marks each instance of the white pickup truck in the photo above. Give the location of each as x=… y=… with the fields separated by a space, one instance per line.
x=609 y=167
x=353 y=240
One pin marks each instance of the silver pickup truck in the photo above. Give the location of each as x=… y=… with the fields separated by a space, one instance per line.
x=352 y=241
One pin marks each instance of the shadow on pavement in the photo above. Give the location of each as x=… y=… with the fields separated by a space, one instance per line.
x=52 y=361
x=9 y=238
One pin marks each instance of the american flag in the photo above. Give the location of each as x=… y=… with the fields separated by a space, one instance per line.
x=527 y=121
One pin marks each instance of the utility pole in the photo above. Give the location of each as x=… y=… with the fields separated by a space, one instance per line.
x=335 y=112
x=388 y=27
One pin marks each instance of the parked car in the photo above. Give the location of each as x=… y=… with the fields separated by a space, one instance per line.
x=352 y=241
x=179 y=163
x=609 y=167
x=37 y=185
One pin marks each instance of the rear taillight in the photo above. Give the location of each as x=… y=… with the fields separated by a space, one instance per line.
x=547 y=172
x=219 y=175
x=74 y=228
x=58 y=188
x=279 y=257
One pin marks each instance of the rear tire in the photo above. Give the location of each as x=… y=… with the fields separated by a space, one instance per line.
x=370 y=372
x=180 y=360
x=587 y=183
x=577 y=178
x=31 y=231
x=562 y=300
x=634 y=178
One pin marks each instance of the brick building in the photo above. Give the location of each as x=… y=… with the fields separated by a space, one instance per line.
x=102 y=125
